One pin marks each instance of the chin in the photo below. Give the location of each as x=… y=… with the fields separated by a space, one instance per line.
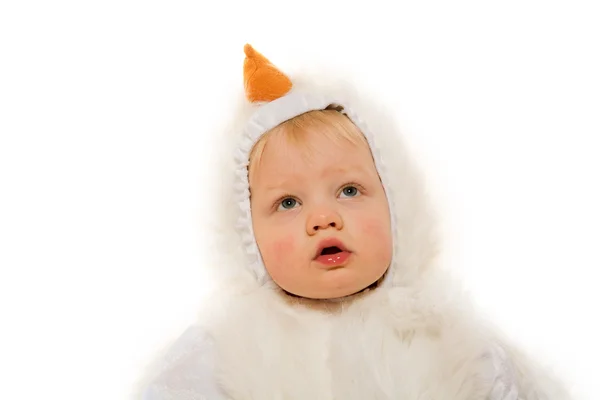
x=338 y=285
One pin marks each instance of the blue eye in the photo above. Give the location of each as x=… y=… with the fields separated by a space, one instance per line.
x=350 y=191
x=288 y=203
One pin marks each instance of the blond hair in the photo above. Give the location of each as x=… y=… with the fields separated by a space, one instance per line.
x=330 y=123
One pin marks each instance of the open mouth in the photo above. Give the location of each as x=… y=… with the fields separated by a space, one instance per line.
x=330 y=250
x=332 y=253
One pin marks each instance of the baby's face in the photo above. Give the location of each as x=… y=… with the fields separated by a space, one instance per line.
x=326 y=194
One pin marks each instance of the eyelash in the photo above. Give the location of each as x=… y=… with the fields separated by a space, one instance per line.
x=277 y=202
x=360 y=187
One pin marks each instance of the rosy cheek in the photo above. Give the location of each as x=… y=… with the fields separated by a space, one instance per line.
x=281 y=250
x=374 y=227
x=377 y=231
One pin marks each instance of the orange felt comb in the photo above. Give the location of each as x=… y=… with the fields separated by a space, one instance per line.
x=262 y=80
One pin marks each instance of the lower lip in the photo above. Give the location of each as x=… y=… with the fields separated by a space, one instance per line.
x=333 y=260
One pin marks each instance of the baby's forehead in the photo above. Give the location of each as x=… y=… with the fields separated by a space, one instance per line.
x=310 y=160
x=312 y=149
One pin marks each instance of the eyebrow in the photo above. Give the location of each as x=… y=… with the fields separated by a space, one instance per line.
x=328 y=172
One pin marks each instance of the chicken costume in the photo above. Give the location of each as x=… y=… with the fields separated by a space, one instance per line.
x=410 y=337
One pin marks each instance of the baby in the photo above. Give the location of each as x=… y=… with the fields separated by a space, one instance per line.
x=332 y=289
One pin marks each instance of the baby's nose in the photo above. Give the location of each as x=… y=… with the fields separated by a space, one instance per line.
x=323 y=220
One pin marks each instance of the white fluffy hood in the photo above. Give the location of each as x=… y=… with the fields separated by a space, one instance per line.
x=413 y=222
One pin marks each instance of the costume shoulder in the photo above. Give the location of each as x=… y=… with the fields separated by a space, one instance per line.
x=503 y=375
x=187 y=371
x=516 y=376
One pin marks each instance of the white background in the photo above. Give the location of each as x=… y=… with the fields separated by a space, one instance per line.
x=107 y=110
